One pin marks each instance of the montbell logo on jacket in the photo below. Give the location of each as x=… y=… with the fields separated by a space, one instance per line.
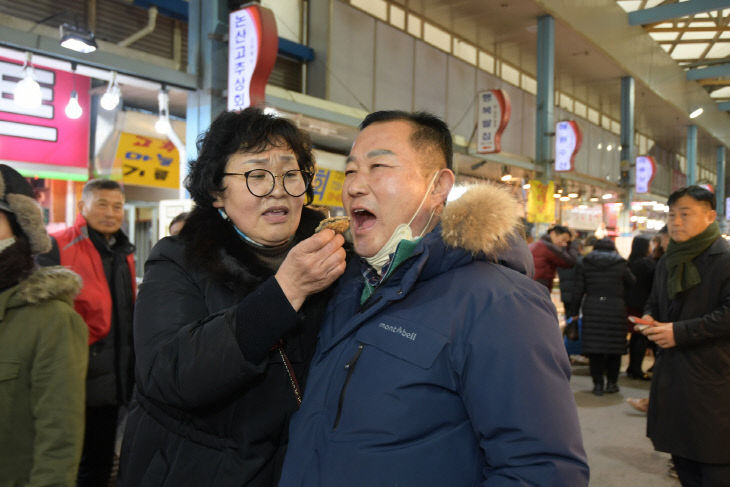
x=451 y=372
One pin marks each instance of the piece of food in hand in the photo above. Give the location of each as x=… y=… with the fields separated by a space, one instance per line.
x=338 y=224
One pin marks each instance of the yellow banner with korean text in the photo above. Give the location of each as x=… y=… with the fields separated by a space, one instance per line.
x=327 y=186
x=540 y=202
x=148 y=161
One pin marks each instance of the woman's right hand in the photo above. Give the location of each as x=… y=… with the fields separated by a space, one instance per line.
x=311 y=266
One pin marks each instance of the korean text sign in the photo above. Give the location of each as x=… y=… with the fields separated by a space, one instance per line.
x=568 y=138
x=494 y=112
x=252 y=47
x=148 y=161
x=645 y=171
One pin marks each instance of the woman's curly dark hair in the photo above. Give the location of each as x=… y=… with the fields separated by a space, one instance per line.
x=250 y=130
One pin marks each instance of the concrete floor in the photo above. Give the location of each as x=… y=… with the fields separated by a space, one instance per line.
x=614 y=435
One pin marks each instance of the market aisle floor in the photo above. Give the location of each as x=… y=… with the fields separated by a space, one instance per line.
x=614 y=435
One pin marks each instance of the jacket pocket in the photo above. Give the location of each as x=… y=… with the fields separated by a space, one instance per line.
x=9 y=370
x=404 y=340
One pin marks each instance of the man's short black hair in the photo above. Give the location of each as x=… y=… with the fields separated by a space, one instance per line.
x=100 y=184
x=428 y=130
x=697 y=193
x=559 y=229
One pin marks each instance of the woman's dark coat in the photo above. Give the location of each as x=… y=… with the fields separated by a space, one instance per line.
x=213 y=396
x=637 y=295
x=689 y=408
x=601 y=278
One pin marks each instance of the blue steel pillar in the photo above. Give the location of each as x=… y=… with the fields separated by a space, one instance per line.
x=627 y=152
x=208 y=60
x=720 y=188
x=691 y=155
x=544 y=125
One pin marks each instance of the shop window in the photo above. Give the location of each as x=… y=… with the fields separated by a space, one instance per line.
x=510 y=74
x=615 y=127
x=465 y=51
x=566 y=102
x=528 y=83
x=376 y=8
x=593 y=116
x=486 y=62
x=397 y=17
x=414 y=26
x=436 y=37
x=605 y=122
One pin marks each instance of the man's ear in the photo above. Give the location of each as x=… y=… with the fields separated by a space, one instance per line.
x=80 y=205
x=712 y=216
x=442 y=187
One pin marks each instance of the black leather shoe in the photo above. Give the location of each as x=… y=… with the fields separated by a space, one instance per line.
x=611 y=388
x=597 y=389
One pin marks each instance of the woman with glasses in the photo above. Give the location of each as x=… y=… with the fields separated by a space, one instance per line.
x=228 y=313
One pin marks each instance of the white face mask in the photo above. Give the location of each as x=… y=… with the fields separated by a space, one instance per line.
x=401 y=232
x=6 y=242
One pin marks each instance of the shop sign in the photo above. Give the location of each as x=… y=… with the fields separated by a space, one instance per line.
x=727 y=208
x=494 y=112
x=44 y=135
x=540 y=202
x=583 y=217
x=327 y=187
x=253 y=44
x=148 y=161
x=645 y=172
x=568 y=138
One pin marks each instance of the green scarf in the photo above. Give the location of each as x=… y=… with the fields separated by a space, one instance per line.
x=682 y=272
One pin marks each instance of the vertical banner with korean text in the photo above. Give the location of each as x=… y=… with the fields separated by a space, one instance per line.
x=645 y=171
x=494 y=112
x=568 y=139
x=253 y=43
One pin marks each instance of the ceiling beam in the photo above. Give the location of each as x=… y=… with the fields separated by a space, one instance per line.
x=714 y=82
x=724 y=106
x=715 y=71
x=670 y=30
x=675 y=10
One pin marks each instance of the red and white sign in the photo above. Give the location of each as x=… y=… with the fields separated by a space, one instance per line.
x=645 y=172
x=494 y=111
x=44 y=134
x=253 y=43
x=568 y=139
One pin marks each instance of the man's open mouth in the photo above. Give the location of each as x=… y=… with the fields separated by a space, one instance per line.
x=362 y=219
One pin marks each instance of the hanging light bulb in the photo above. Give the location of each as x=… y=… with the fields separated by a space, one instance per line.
x=162 y=125
x=110 y=99
x=73 y=109
x=27 y=93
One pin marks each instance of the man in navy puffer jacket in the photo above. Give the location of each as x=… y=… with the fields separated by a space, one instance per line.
x=437 y=364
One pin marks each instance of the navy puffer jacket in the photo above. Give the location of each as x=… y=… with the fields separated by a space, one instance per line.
x=453 y=372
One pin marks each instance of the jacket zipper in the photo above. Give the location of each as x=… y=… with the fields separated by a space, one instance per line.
x=292 y=378
x=350 y=367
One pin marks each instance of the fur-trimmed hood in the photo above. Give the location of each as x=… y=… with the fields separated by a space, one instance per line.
x=45 y=284
x=485 y=220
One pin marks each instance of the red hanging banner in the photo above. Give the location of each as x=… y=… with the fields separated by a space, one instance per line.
x=494 y=112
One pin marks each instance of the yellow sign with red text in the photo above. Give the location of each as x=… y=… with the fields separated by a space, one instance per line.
x=148 y=161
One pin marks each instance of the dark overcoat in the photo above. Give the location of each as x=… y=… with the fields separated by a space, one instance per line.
x=601 y=279
x=689 y=406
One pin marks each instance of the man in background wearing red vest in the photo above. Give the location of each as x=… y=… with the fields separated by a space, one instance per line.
x=97 y=249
